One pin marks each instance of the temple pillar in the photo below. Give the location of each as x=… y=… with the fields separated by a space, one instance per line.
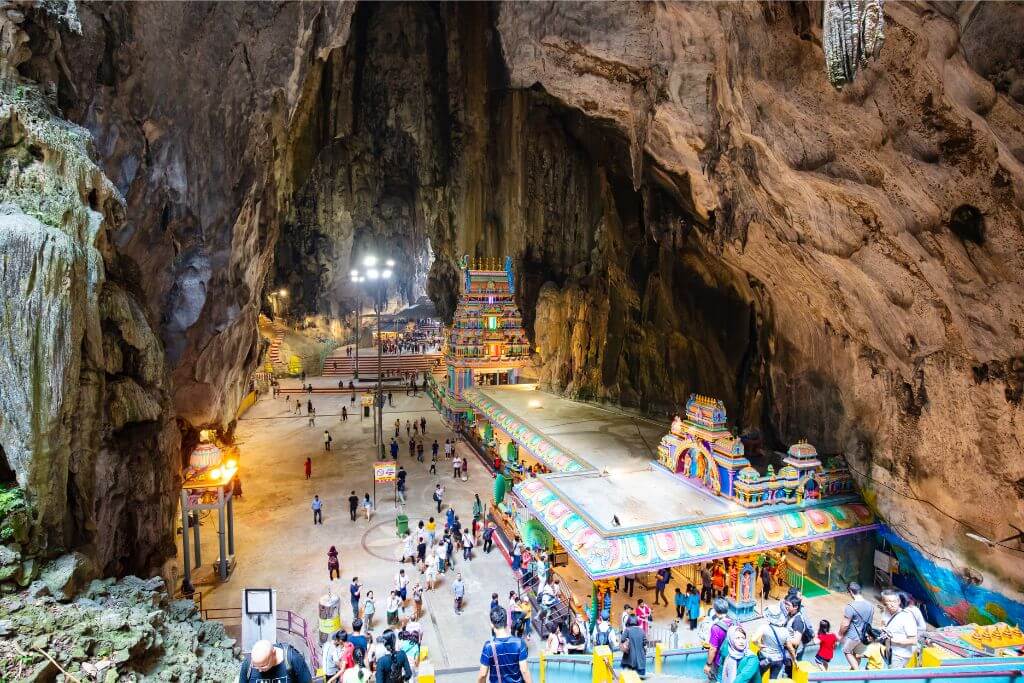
x=184 y=536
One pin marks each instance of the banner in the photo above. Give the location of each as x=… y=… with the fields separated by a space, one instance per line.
x=385 y=472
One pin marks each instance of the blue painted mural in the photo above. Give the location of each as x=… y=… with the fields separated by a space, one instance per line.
x=950 y=599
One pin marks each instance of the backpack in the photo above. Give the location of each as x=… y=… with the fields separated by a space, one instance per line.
x=806 y=633
x=613 y=639
x=602 y=637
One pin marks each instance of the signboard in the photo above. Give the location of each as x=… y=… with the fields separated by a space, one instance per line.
x=385 y=472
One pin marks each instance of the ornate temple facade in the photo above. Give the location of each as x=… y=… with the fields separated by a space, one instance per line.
x=485 y=344
x=701 y=448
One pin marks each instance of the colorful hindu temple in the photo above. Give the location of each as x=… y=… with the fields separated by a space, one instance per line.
x=620 y=497
x=485 y=344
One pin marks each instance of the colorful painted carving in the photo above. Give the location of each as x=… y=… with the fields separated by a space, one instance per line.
x=701 y=448
x=690 y=542
x=486 y=337
x=542 y=450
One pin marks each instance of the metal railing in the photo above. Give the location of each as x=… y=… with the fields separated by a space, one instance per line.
x=287 y=622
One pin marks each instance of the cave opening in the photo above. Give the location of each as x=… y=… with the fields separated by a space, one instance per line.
x=968 y=223
x=8 y=479
x=420 y=149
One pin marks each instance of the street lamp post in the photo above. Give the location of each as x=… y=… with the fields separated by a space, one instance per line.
x=379 y=277
x=358 y=279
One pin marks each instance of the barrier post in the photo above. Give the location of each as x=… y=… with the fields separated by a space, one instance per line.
x=629 y=676
x=601 y=666
x=802 y=671
x=543 y=665
x=657 y=657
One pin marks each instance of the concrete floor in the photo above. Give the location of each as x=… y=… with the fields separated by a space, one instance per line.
x=278 y=546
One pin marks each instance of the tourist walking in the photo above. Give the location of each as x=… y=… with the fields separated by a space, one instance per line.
x=459 y=591
x=438 y=496
x=333 y=564
x=467 y=545
x=327 y=440
x=344 y=414
x=431 y=527
x=661 y=584
x=900 y=629
x=393 y=666
x=419 y=450
x=400 y=485
x=692 y=605
x=857 y=616
x=394 y=449
x=629 y=584
x=771 y=639
x=312 y=417
x=308 y=467
x=719 y=628
x=367 y=506
x=740 y=664
x=826 y=644
x=369 y=609
x=423 y=425
x=643 y=614
x=280 y=663
x=353 y=505
x=488 y=537
x=354 y=592
x=391 y=609
x=503 y=657
x=456 y=467
x=317 y=507
x=298 y=407
x=679 y=600
x=390 y=403
x=633 y=645
x=706 y=590
x=447 y=449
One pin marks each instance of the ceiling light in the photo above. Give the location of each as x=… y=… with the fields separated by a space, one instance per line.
x=353 y=274
x=370 y=261
x=386 y=274
x=373 y=273
x=390 y=263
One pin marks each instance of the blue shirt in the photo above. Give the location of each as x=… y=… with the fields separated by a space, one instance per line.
x=680 y=599
x=505 y=652
x=693 y=605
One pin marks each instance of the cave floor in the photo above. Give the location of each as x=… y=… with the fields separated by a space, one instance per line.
x=277 y=545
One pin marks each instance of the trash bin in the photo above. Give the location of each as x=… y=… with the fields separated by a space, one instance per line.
x=402 y=525
x=366 y=411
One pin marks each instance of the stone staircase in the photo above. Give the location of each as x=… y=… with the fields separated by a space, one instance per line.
x=340 y=365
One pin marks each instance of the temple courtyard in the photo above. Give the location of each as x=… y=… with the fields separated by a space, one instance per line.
x=278 y=546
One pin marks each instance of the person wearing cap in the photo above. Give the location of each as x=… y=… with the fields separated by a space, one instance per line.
x=772 y=638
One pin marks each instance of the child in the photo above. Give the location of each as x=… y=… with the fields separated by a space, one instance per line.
x=874 y=653
x=826 y=644
x=680 y=602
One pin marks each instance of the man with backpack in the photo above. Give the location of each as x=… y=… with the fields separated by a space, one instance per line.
x=802 y=631
x=857 y=617
x=719 y=629
x=277 y=662
x=503 y=657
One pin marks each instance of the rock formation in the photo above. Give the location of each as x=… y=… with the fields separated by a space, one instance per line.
x=690 y=204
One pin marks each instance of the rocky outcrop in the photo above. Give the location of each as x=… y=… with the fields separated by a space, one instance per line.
x=110 y=631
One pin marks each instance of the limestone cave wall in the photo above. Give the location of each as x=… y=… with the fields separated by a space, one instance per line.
x=690 y=205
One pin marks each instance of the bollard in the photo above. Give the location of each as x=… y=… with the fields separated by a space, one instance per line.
x=802 y=670
x=629 y=676
x=601 y=667
x=657 y=657
x=543 y=666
